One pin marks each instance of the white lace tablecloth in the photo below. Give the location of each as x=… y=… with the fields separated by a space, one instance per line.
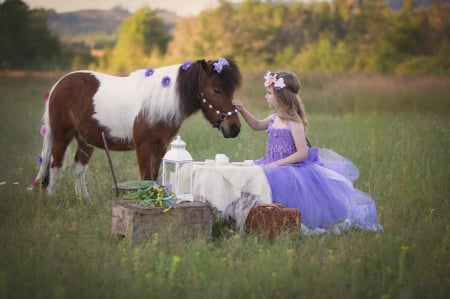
x=232 y=189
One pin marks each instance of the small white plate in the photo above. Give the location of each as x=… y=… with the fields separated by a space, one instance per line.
x=210 y=162
x=248 y=163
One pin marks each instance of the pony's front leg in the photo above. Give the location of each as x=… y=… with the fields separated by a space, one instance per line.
x=149 y=160
x=151 y=143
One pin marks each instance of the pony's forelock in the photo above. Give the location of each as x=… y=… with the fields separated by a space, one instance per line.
x=231 y=76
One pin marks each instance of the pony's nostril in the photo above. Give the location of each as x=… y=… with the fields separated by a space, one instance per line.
x=235 y=130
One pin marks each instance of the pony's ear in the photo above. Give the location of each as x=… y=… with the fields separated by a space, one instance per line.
x=203 y=64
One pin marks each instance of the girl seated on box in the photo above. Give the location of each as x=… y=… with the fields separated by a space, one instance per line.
x=318 y=182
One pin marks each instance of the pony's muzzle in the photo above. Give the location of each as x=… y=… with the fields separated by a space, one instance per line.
x=232 y=132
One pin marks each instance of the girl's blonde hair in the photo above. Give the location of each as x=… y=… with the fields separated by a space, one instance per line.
x=290 y=105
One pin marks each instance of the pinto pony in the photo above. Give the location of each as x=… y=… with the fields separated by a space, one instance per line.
x=141 y=112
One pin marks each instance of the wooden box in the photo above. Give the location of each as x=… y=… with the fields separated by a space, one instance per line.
x=137 y=223
x=272 y=219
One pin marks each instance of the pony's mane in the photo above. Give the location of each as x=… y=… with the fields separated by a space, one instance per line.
x=187 y=88
x=188 y=81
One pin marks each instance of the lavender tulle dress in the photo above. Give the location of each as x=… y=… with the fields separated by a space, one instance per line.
x=321 y=186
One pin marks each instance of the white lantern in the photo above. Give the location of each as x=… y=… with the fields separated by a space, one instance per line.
x=177 y=170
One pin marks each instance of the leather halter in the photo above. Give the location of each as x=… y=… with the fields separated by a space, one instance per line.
x=223 y=115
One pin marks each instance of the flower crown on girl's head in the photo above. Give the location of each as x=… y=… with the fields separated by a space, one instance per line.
x=271 y=78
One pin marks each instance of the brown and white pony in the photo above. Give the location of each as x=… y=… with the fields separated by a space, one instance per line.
x=141 y=112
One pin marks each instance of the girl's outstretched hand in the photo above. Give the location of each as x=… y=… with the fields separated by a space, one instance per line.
x=238 y=104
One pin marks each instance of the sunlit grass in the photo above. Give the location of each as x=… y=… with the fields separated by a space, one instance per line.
x=396 y=130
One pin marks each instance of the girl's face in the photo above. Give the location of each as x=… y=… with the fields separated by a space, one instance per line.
x=270 y=98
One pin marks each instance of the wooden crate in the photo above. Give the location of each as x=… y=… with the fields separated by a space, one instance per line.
x=137 y=223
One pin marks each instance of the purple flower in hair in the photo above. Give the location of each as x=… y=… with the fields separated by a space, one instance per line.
x=186 y=65
x=149 y=72
x=218 y=66
x=165 y=81
x=39 y=160
x=272 y=78
x=279 y=84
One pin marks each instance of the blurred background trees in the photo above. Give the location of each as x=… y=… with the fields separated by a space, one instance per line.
x=25 y=40
x=142 y=41
x=336 y=36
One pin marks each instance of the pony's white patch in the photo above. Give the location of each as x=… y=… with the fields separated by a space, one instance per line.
x=120 y=99
x=54 y=176
x=79 y=171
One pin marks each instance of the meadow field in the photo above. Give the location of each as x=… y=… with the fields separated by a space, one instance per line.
x=395 y=129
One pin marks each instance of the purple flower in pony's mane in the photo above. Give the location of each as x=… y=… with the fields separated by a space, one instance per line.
x=218 y=66
x=43 y=130
x=149 y=72
x=39 y=160
x=165 y=81
x=186 y=65
x=47 y=95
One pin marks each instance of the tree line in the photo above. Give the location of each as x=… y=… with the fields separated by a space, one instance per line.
x=25 y=40
x=337 y=36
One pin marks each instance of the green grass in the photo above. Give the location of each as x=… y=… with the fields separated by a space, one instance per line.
x=396 y=130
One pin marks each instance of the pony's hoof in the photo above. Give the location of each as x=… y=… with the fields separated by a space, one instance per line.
x=48 y=192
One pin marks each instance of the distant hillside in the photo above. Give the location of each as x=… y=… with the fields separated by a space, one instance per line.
x=83 y=24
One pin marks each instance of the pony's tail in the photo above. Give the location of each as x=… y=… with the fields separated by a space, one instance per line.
x=43 y=176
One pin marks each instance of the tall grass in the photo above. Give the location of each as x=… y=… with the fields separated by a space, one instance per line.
x=396 y=129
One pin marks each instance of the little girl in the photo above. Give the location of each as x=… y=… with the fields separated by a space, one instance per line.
x=318 y=182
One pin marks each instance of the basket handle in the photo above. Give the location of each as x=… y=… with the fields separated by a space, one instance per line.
x=271 y=206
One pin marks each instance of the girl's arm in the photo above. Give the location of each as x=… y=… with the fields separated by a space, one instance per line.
x=252 y=121
x=298 y=133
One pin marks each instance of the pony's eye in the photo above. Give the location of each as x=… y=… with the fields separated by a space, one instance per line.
x=217 y=91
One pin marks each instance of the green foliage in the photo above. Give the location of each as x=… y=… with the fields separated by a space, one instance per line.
x=395 y=129
x=155 y=195
x=320 y=36
x=142 y=39
x=25 y=41
x=327 y=36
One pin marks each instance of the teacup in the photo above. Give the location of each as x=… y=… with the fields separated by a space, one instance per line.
x=222 y=159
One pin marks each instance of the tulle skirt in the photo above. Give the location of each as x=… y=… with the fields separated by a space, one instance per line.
x=321 y=187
